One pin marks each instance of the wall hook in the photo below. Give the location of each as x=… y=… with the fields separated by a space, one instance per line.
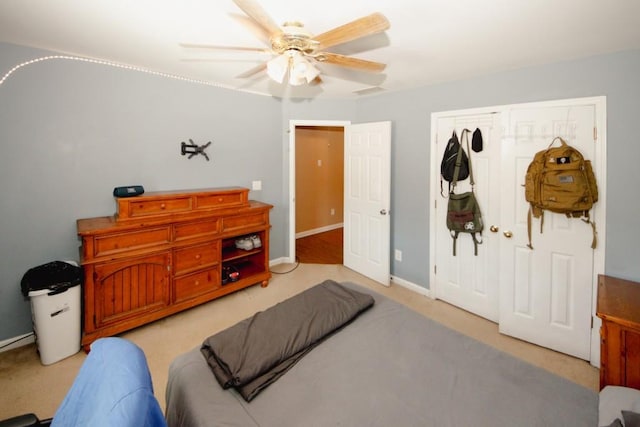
x=192 y=149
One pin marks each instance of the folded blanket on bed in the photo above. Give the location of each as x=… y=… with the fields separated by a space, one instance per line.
x=257 y=351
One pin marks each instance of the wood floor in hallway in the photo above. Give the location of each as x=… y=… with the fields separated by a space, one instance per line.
x=321 y=248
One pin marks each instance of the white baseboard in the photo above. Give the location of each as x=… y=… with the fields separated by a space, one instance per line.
x=411 y=286
x=281 y=260
x=15 y=342
x=319 y=230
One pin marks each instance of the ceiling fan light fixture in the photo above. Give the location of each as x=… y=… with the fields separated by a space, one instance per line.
x=301 y=70
x=292 y=62
x=277 y=68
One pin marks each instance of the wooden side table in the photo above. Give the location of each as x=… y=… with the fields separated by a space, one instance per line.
x=619 y=308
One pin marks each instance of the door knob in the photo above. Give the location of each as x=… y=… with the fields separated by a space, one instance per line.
x=493 y=229
x=508 y=234
x=383 y=211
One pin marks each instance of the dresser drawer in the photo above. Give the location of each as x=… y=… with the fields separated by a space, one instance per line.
x=142 y=208
x=114 y=243
x=196 y=284
x=195 y=257
x=222 y=200
x=192 y=230
x=237 y=223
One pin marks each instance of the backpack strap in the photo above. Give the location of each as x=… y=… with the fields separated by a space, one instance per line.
x=529 y=245
x=456 y=171
x=562 y=142
x=465 y=134
x=454 y=236
x=452 y=187
x=476 y=242
x=587 y=219
x=441 y=189
x=594 y=242
x=529 y=220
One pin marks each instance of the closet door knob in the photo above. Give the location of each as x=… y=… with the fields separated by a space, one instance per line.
x=383 y=211
x=494 y=229
x=508 y=234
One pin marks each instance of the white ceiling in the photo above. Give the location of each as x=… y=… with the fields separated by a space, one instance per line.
x=429 y=41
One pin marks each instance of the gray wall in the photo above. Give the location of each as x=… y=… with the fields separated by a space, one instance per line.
x=72 y=131
x=616 y=76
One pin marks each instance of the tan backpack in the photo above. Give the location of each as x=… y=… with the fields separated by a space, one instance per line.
x=560 y=180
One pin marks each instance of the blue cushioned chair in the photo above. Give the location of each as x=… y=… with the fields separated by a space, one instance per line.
x=113 y=388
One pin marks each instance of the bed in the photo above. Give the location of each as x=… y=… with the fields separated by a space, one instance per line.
x=390 y=366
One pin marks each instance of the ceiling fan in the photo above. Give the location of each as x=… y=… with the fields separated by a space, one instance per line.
x=296 y=50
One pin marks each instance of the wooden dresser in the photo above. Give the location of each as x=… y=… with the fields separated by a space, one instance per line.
x=619 y=308
x=164 y=252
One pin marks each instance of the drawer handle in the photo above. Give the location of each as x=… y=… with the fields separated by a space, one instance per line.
x=162 y=206
x=198 y=256
x=197 y=282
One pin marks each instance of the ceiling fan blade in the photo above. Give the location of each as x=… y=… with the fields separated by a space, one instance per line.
x=253 y=27
x=258 y=14
x=365 y=26
x=216 y=47
x=349 y=61
x=253 y=71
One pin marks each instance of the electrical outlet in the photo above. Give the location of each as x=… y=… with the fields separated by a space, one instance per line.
x=256 y=185
x=398 y=255
x=333 y=211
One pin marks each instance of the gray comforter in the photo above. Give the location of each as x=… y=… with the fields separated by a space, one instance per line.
x=255 y=352
x=390 y=367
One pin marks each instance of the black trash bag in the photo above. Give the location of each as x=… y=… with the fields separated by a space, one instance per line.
x=57 y=276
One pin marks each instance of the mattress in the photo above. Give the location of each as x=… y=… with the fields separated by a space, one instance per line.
x=389 y=367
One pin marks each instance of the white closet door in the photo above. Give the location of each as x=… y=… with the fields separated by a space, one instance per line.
x=466 y=280
x=545 y=293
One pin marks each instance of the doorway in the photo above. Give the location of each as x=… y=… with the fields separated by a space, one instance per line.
x=319 y=176
x=367 y=196
x=311 y=144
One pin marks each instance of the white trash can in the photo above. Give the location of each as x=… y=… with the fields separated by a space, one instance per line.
x=55 y=309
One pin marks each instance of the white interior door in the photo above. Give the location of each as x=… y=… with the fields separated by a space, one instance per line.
x=466 y=280
x=546 y=293
x=367 y=223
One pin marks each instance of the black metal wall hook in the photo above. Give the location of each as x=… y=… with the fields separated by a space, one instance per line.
x=192 y=149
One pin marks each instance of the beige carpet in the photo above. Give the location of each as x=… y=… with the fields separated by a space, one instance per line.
x=28 y=386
